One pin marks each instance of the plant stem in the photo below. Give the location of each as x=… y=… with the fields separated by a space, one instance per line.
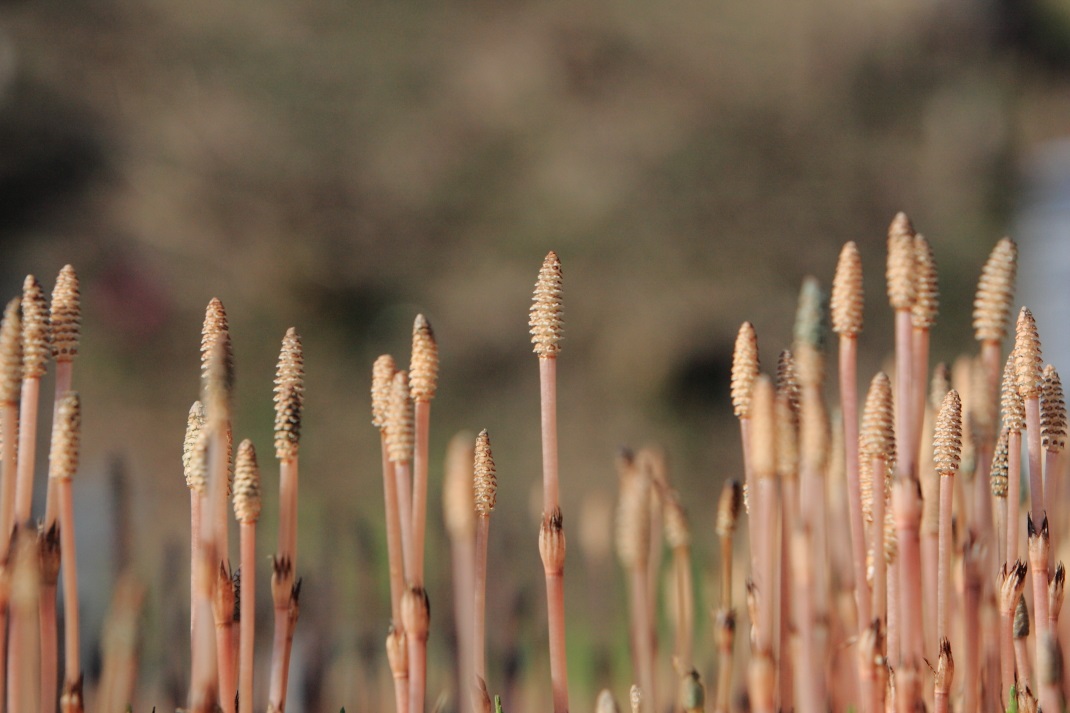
x=548 y=402
x=71 y=641
x=973 y=586
x=849 y=408
x=1052 y=508
x=393 y=532
x=288 y=476
x=685 y=605
x=403 y=478
x=1014 y=490
x=463 y=554
x=479 y=635
x=48 y=638
x=248 y=616
x=943 y=587
x=31 y=389
x=880 y=586
x=419 y=489
x=1036 y=475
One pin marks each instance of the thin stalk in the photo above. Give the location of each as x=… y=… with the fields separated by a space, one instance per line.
x=766 y=497
x=393 y=532
x=880 y=586
x=1052 y=508
x=1039 y=544
x=247 y=627
x=31 y=390
x=419 y=489
x=71 y=642
x=1036 y=474
x=555 y=605
x=726 y=572
x=9 y=420
x=748 y=480
x=1021 y=657
x=282 y=645
x=849 y=407
x=894 y=640
x=196 y=504
x=973 y=586
x=919 y=372
x=810 y=667
x=641 y=629
x=403 y=478
x=415 y=616
x=908 y=505
x=480 y=601
x=724 y=633
x=548 y=416
x=463 y=556
x=49 y=635
x=1014 y=489
x=685 y=605
x=288 y=476
x=943 y=587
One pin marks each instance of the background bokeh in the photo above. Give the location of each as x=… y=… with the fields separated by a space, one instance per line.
x=341 y=166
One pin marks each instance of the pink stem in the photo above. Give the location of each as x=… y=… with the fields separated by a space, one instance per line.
x=849 y=407
x=555 y=605
x=1036 y=475
x=548 y=401
x=280 y=660
x=419 y=489
x=944 y=571
x=31 y=389
x=404 y=494
x=766 y=498
x=642 y=636
x=463 y=554
x=247 y=625
x=1014 y=489
x=1051 y=501
x=393 y=533
x=49 y=636
x=288 y=470
x=880 y=586
x=1006 y=654
x=480 y=598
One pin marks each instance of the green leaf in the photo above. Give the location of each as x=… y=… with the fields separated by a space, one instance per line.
x=497 y=704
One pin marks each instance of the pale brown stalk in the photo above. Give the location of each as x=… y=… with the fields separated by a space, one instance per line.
x=545 y=320
x=724 y=637
x=119 y=645
x=633 y=550
x=1013 y=413
x=847 y=304
x=871 y=665
x=24 y=653
x=744 y=370
x=416 y=618
x=1039 y=544
x=423 y=380
x=973 y=559
x=10 y=387
x=285 y=594
x=1021 y=643
x=1050 y=672
x=945 y=674
x=1028 y=364
x=247 y=512
x=36 y=351
x=809 y=668
x=400 y=428
x=930 y=513
x=678 y=537
x=761 y=682
x=458 y=495
x=223 y=608
x=764 y=505
x=397 y=655
x=289 y=401
x=947 y=457
x=485 y=490
x=63 y=464
x=48 y=542
x=1011 y=585
x=877 y=447
x=903 y=294
x=382 y=382
x=728 y=507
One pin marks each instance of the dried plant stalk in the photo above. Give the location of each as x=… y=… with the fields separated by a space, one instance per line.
x=947 y=447
x=484 y=488
x=382 y=383
x=36 y=350
x=247 y=511
x=459 y=516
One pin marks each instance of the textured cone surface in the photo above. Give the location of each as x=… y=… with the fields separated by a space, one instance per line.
x=995 y=290
x=215 y=324
x=11 y=352
x=246 y=483
x=399 y=422
x=36 y=330
x=383 y=371
x=900 y=266
x=289 y=396
x=193 y=465
x=926 y=285
x=999 y=466
x=947 y=440
x=1028 y=360
x=1011 y=407
x=744 y=369
x=1053 y=412
x=847 y=293
x=66 y=438
x=546 y=315
x=423 y=366
x=66 y=314
x=485 y=476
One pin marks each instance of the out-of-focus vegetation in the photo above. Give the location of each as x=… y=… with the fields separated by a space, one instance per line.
x=341 y=166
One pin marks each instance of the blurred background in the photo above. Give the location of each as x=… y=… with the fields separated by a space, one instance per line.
x=340 y=167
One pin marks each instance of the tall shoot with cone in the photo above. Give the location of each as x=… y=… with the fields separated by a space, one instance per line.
x=546 y=333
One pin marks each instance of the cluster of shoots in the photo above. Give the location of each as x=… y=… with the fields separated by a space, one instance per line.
x=929 y=559
x=887 y=547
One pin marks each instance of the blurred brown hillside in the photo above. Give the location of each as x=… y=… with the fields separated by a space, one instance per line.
x=341 y=166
